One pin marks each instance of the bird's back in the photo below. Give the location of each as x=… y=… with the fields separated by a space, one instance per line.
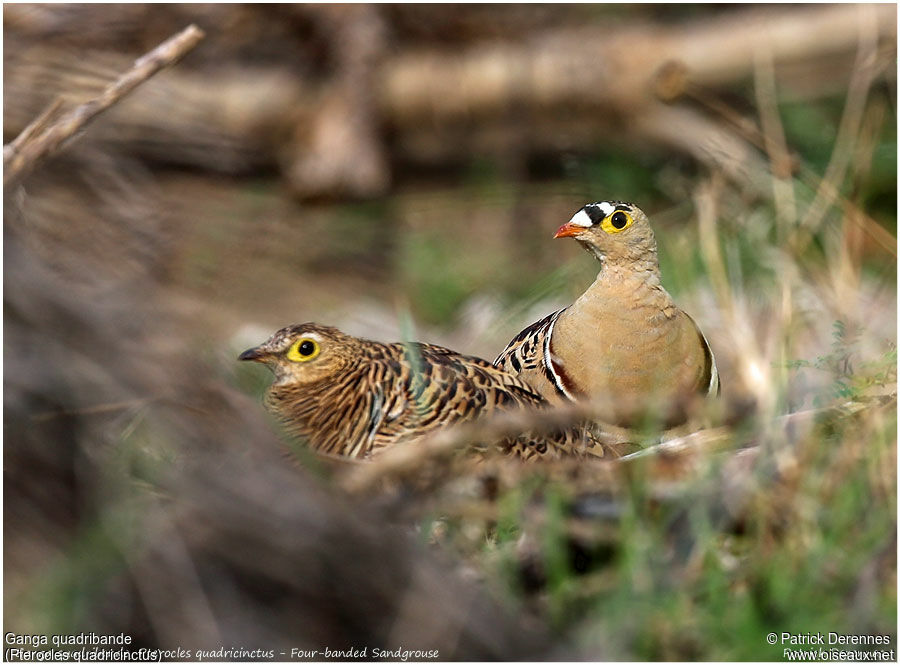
x=399 y=392
x=527 y=356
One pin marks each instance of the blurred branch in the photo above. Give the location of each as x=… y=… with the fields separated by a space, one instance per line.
x=326 y=135
x=97 y=409
x=864 y=73
x=407 y=458
x=37 y=143
x=730 y=149
x=673 y=459
x=716 y=146
x=410 y=458
x=339 y=149
x=740 y=327
x=37 y=127
x=616 y=70
x=774 y=140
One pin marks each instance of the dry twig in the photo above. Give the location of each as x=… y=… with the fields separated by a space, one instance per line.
x=407 y=459
x=215 y=126
x=37 y=127
x=410 y=458
x=732 y=147
x=864 y=73
x=36 y=144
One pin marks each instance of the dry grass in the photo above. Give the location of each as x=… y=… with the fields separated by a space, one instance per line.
x=145 y=491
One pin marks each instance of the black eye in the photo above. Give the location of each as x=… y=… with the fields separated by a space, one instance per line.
x=619 y=220
x=307 y=348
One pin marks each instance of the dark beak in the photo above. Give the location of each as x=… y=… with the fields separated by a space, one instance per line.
x=253 y=354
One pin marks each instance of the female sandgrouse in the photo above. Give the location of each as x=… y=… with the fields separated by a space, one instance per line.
x=353 y=397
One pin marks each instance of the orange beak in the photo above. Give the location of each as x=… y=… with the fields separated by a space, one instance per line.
x=568 y=229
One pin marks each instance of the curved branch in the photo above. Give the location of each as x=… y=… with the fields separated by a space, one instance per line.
x=36 y=144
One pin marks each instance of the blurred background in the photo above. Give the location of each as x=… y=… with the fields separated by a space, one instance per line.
x=398 y=171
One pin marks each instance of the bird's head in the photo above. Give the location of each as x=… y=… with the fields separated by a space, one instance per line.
x=305 y=353
x=613 y=231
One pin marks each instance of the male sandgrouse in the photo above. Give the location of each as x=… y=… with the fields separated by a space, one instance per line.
x=623 y=341
x=353 y=397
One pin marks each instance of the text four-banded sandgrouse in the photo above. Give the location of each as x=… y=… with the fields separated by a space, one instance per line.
x=353 y=397
x=623 y=340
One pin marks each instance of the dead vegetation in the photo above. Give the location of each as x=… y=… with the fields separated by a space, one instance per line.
x=144 y=493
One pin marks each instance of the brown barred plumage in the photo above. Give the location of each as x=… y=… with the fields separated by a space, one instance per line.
x=353 y=397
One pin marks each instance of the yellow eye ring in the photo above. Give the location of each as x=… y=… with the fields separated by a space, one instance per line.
x=617 y=222
x=303 y=350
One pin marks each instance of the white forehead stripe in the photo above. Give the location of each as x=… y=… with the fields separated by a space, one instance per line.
x=606 y=207
x=581 y=219
x=290 y=339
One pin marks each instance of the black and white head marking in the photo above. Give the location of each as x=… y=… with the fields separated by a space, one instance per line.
x=594 y=213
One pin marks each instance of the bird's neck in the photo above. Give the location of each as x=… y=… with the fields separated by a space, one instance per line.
x=623 y=286
x=317 y=412
x=623 y=301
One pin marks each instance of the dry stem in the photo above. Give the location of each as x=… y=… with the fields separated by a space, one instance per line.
x=36 y=144
x=407 y=458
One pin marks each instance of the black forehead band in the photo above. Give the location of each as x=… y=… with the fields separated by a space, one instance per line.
x=595 y=212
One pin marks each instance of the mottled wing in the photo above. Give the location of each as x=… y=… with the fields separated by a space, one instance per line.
x=399 y=392
x=461 y=388
x=526 y=350
x=529 y=356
